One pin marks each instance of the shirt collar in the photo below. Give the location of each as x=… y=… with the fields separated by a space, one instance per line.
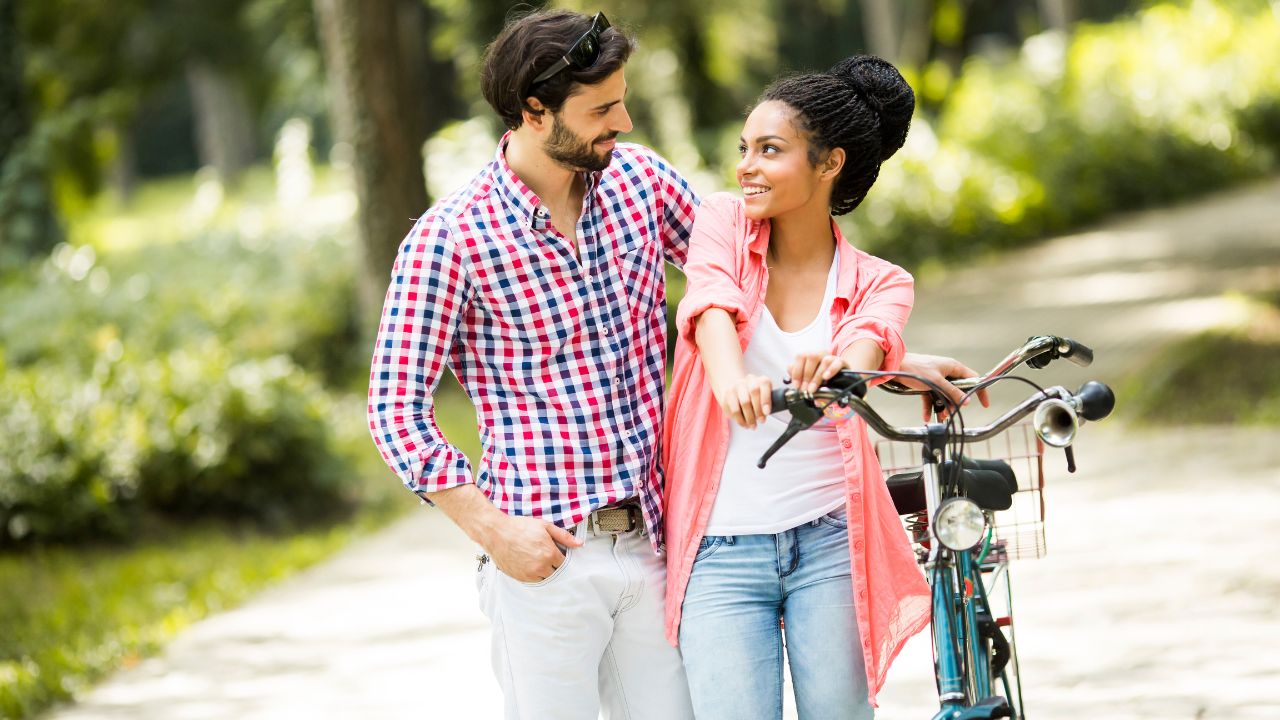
x=527 y=205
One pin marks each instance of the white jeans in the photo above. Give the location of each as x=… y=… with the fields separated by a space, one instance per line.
x=588 y=641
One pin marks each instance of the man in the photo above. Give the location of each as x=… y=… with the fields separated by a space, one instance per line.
x=540 y=284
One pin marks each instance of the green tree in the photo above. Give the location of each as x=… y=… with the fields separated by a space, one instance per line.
x=27 y=225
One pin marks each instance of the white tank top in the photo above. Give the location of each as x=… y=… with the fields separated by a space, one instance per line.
x=805 y=479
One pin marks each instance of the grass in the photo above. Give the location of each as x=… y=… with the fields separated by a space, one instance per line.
x=1224 y=376
x=70 y=616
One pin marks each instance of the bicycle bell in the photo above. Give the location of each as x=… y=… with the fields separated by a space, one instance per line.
x=1055 y=423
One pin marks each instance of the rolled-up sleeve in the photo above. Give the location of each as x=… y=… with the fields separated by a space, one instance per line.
x=425 y=302
x=713 y=266
x=880 y=315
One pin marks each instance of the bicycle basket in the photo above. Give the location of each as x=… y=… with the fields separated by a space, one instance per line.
x=1019 y=531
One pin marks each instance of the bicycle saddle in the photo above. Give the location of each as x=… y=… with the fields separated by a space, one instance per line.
x=989 y=483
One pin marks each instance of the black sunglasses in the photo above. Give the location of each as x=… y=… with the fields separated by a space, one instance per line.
x=583 y=54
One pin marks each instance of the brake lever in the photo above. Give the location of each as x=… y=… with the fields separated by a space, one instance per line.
x=803 y=416
x=793 y=427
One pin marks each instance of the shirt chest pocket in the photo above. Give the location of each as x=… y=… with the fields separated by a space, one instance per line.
x=532 y=300
x=640 y=267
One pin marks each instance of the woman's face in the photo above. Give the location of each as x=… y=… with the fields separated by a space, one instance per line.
x=775 y=173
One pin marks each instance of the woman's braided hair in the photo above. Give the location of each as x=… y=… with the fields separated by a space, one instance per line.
x=861 y=105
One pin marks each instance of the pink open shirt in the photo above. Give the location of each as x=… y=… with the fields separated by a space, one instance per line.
x=726 y=269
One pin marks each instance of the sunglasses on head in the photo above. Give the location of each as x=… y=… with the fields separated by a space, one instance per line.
x=583 y=54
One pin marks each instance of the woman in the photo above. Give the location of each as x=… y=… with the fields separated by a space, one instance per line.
x=813 y=539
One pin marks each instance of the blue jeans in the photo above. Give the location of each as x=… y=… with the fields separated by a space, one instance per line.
x=730 y=635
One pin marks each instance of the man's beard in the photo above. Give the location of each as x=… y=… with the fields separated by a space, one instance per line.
x=572 y=153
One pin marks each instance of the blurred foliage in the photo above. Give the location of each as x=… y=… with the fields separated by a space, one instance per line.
x=254 y=296
x=108 y=90
x=90 y=68
x=197 y=377
x=1176 y=101
x=69 y=617
x=1224 y=376
x=187 y=435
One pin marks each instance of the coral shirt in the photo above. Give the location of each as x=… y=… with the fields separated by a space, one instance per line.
x=726 y=269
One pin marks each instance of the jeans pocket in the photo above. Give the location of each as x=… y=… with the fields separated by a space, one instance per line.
x=837 y=518
x=708 y=546
x=568 y=555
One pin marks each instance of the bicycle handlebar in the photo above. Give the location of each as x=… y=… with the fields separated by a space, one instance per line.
x=1037 y=352
x=1094 y=401
x=784 y=400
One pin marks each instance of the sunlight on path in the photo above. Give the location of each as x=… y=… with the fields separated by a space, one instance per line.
x=387 y=629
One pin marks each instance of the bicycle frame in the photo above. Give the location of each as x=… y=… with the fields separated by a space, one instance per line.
x=958 y=593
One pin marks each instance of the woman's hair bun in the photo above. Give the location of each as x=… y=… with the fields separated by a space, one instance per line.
x=884 y=89
x=862 y=106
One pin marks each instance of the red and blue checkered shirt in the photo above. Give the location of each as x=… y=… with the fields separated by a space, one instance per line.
x=564 y=360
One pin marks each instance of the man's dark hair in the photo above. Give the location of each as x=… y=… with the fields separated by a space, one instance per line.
x=532 y=43
x=862 y=105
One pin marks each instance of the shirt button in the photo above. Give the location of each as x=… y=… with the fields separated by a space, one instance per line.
x=866 y=643
x=857 y=497
x=857 y=545
x=862 y=594
x=846 y=442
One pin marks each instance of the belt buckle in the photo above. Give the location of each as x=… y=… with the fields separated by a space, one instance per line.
x=631 y=510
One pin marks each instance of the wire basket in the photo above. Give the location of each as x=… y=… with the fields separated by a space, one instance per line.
x=1019 y=531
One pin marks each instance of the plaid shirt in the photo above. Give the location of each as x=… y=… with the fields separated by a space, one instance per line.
x=564 y=360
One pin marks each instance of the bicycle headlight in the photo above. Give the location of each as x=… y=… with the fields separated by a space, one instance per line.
x=959 y=524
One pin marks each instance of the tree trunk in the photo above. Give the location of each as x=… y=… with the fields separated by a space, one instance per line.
x=411 y=23
x=27 y=224
x=123 y=171
x=1057 y=14
x=917 y=33
x=373 y=110
x=878 y=22
x=224 y=126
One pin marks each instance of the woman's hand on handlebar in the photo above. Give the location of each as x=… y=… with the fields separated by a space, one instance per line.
x=747 y=401
x=937 y=369
x=812 y=368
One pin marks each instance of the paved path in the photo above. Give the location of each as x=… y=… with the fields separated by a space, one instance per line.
x=1160 y=596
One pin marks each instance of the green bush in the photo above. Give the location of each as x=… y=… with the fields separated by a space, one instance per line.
x=284 y=295
x=189 y=434
x=1176 y=101
x=182 y=379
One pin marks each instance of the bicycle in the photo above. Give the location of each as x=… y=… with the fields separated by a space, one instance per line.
x=952 y=499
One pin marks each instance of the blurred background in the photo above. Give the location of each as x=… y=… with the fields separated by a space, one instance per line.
x=200 y=201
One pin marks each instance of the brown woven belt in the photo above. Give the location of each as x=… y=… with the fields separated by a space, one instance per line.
x=614 y=519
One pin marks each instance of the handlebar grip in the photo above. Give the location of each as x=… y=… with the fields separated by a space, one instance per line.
x=1096 y=401
x=778 y=400
x=1078 y=353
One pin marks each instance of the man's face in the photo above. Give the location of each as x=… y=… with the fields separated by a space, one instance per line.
x=583 y=132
